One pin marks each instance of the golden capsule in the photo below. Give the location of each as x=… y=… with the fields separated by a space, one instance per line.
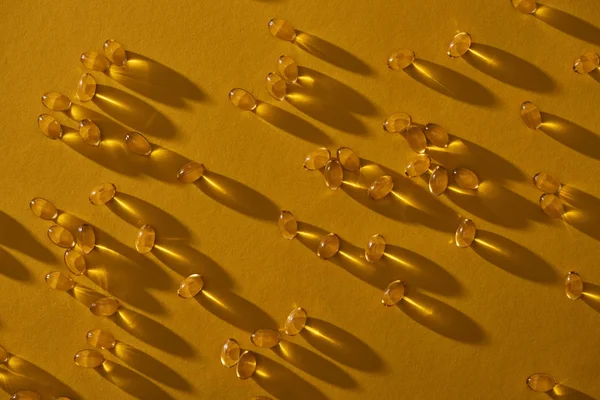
x=375 y=248
x=50 y=127
x=416 y=138
x=380 y=187
x=56 y=102
x=59 y=281
x=295 y=322
x=438 y=181
x=288 y=69
x=401 y=59
x=265 y=338
x=75 y=261
x=242 y=99
x=417 y=165
x=86 y=238
x=43 y=208
x=101 y=339
x=465 y=178
x=191 y=286
x=190 y=172
x=25 y=395
x=573 y=286
x=95 y=61
x=465 y=233
x=138 y=144
x=552 y=205
x=525 y=6
x=317 y=159
x=288 y=225
x=89 y=132
x=89 y=358
x=547 y=183
x=459 y=45
x=145 y=239
x=282 y=29
x=262 y=398
x=61 y=236
x=246 y=365
x=333 y=173
x=4 y=355
x=531 y=115
x=230 y=353
x=436 y=135
x=348 y=158
x=586 y=63
x=393 y=293
x=105 y=307
x=86 y=88
x=102 y=194
x=276 y=86
x=115 y=52
x=62 y=398
x=541 y=382
x=397 y=122
x=329 y=246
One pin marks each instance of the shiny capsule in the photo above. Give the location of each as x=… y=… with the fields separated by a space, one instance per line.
x=43 y=208
x=288 y=69
x=547 y=183
x=401 y=59
x=265 y=338
x=525 y=6
x=230 y=353
x=102 y=194
x=145 y=239
x=89 y=132
x=282 y=29
x=380 y=187
x=86 y=88
x=573 y=286
x=75 y=261
x=61 y=236
x=465 y=233
x=4 y=355
x=138 y=144
x=459 y=45
x=295 y=322
x=329 y=246
x=95 y=61
x=115 y=52
x=190 y=172
x=316 y=159
x=375 y=248
x=86 y=238
x=246 y=365
x=397 y=122
x=288 y=225
x=438 y=180
x=105 y=307
x=416 y=138
x=531 y=115
x=50 y=127
x=190 y=286
x=276 y=86
x=89 y=358
x=552 y=205
x=393 y=293
x=242 y=99
x=417 y=165
x=59 y=281
x=25 y=395
x=586 y=63
x=465 y=178
x=101 y=339
x=334 y=174
x=541 y=382
x=348 y=158
x=56 y=102
x=436 y=135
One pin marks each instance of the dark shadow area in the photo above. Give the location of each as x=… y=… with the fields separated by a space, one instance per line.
x=563 y=392
x=576 y=137
x=12 y=268
x=591 y=295
x=583 y=212
x=569 y=24
x=131 y=382
x=15 y=236
x=24 y=375
x=595 y=75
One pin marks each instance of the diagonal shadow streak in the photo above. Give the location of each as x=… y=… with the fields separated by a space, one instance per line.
x=576 y=137
x=131 y=382
x=569 y=24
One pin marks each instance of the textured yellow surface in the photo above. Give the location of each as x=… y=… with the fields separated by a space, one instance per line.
x=476 y=322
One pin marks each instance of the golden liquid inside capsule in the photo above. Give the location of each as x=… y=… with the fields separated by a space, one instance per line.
x=438 y=181
x=246 y=365
x=348 y=158
x=525 y=6
x=397 y=122
x=102 y=194
x=56 y=101
x=190 y=172
x=242 y=99
x=115 y=52
x=329 y=246
x=265 y=338
x=288 y=225
x=541 y=382
x=465 y=233
x=401 y=59
x=4 y=355
x=417 y=165
x=586 y=63
x=145 y=239
x=465 y=178
x=50 y=127
x=393 y=293
x=230 y=353
x=276 y=86
x=416 y=139
x=61 y=236
x=138 y=144
x=547 y=183
x=105 y=307
x=86 y=238
x=95 y=61
x=282 y=29
x=43 y=208
x=459 y=45
x=89 y=132
x=375 y=248
x=101 y=339
x=288 y=69
x=573 y=286
x=86 y=88
x=333 y=173
x=317 y=159
x=531 y=115
x=380 y=187
x=191 y=286
x=552 y=205
x=25 y=395
x=59 y=281
x=436 y=135
x=75 y=261
x=62 y=398
x=89 y=358
x=295 y=322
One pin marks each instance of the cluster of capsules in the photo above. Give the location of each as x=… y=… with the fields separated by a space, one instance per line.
x=100 y=340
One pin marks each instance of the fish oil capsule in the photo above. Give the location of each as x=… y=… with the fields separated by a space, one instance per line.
x=288 y=69
x=459 y=45
x=138 y=144
x=101 y=339
x=56 y=102
x=465 y=233
x=375 y=248
x=295 y=322
x=401 y=59
x=86 y=238
x=242 y=99
x=43 y=208
x=25 y=395
x=61 y=236
x=265 y=338
x=4 y=355
x=282 y=29
x=438 y=181
x=348 y=158
x=393 y=293
x=552 y=205
x=230 y=353
x=531 y=115
x=105 y=307
x=465 y=178
x=541 y=382
x=145 y=239
x=436 y=135
x=380 y=187
x=586 y=63
x=75 y=261
x=59 y=281
x=573 y=286
x=89 y=358
x=50 y=127
x=397 y=122
x=190 y=172
x=525 y=6
x=276 y=86
x=416 y=138
x=86 y=88
x=95 y=61
x=115 y=52
x=191 y=286
x=329 y=246
x=288 y=225
x=102 y=194
x=89 y=132
x=547 y=183
x=417 y=165
x=246 y=365
x=334 y=174
x=316 y=159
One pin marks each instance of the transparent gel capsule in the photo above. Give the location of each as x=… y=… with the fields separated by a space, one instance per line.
x=242 y=99
x=541 y=382
x=95 y=61
x=436 y=135
x=375 y=248
x=265 y=338
x=89 y=132
x=393 y=293
x=246 y=365
x=459 y=45
x=380 y=187
x=465 y=233
x=348 y=158
x=282 y=29
x=88 y=358
x=276 y=86
x=61 y=236
x=465 y=178
x=25 y=395
x=191 y=286
x=56 y=102
x=316 y=159
x=401 y=59
x=586 y=63
x=145 y=239
x=102 y=194
x=288 y=225
x=288 y=69
x=43 y=208
x=438 y=181
x=59 y=281
x=138 y=144
x=397 y=122
x=50 y=127
x=531 y=115
x=105 y=307
x=416 y=138
x=4 y=355
x=333 y=173
x=525 y=6
x=573 y=286
x=75 y=261
x=115 y=52
x=190 y=172
x=547 y=183
x=329 y=246
x=295 y=322
x=552 y=205
x=86 y=238
x=417 y=165
x=230 y=353
x=101 y=339
x=86 y=88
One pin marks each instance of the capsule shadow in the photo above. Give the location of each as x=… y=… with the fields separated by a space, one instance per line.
x=24 y=375
x=131 y=382
x=576 y=137
x=569 y=24
x=12 y=268
x=15 y=236
x=595 y=74
x=591 y=295
x=562 y=392
x=584 y=211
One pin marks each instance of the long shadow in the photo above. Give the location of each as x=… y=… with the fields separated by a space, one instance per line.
x=595 y=74
x=576 y=137
x=24 y=375
x=15 y=236
x=584 y=211
x=562 y=392
x=591 y=295
x=12 y=268
x=131 y=382
x=569 y=24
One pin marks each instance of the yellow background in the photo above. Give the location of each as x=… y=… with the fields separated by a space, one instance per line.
x=476 y=321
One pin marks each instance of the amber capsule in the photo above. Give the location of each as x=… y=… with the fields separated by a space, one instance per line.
x=265 y=338
x=101 y=339
x=417 y=165
x=288 y=69
x=89 y=358
x=438 y=181
x=288 y=225
x=465 y=178
x=115 y=52
x=573 y=286
x=436 y=135
x=242 y=99
x=317 y=159
x=86 y=238
x=95 y=61
x=49 y=126
x=552 y=205
x=375 y=248
x=465 y=233
x=191 y=286
x=145 y=239
x=43 y=208
x=295 y=322
x=541 y=382
x=105 y=307
x=61 y=236
x=416 y=138
x=59 y=281
x=276 y=86
x=262 y=398
x=397 y=122
x=459 y=45
x=393 y=293
x=348 y=158
x=329 y=246
x=4 y=355
x=75 y=261
x=282 y=29
x=25 y=395
x=190 y=172
x=230 y=353
x=246 y=365
x=138 y=144
x=380 y=187
x=333 y=173
x=531 y=115
x=86 y=88
x=102 y=194
x=89 y=132
x=401 y=59
x=586 y=63
x=56 y=101
x=547 y=183
x=525 y=6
